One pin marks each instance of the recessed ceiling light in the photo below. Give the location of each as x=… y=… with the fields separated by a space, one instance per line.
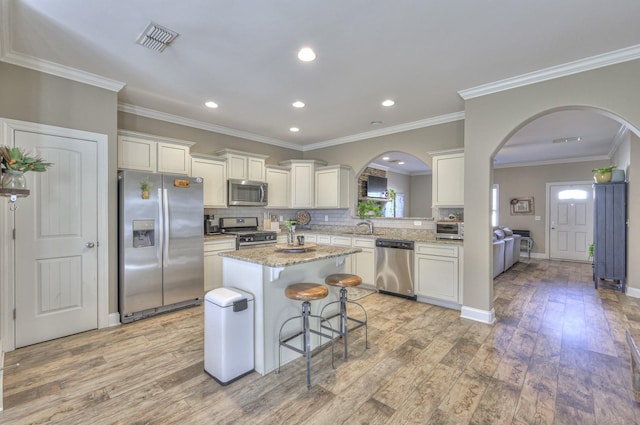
x=294 y=129
x=567 y=139
x=385 y=158
x=298 y=104
x=211 y=104
x=388 y=102
x=306 y=54
x=400 y=162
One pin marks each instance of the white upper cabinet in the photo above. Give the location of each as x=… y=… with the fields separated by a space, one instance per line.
x=448 y=179
x=173 y=159
x=213 y=170
x=143 y=152
x=302 y=181
x=332 y=186
x=244 y=165
x=278 y=186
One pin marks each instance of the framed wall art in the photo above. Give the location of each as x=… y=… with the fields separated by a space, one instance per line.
x=522 y=206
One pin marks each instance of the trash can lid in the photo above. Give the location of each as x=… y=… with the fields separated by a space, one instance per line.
x=225 y=297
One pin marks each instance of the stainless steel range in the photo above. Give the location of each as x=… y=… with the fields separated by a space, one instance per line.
x=247 y=233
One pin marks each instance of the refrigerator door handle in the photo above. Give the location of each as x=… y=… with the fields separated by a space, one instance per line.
x=165 y=230
x=160 y=222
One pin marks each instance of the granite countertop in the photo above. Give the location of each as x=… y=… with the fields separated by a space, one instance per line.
x=271 y=257
x=384 y=233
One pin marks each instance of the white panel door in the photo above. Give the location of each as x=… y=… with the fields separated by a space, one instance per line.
x=570 y=221
x=56 y=230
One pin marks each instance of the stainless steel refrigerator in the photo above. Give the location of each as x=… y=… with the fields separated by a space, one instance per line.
x=161 y=258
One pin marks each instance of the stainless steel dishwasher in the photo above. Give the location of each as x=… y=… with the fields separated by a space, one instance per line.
x=394 y=267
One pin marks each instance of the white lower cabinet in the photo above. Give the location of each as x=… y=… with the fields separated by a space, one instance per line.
x=310 y=238
x=437 y=271
x=364 y=263
x=213 y=262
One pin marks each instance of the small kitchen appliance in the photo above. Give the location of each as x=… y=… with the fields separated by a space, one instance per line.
x=449 y=229
x=211 y=227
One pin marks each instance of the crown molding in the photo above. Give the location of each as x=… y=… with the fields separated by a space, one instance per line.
x=428 y=122
x=63 y=71
x=599 y=61
x=552 y=161
x=175 y=119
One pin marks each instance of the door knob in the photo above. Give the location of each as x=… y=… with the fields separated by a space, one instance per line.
x=89 y=244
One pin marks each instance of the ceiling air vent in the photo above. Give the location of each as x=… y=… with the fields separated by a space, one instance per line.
x=156 y=37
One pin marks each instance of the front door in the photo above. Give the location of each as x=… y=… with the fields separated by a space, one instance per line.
x=570 y=221
x=56 y=231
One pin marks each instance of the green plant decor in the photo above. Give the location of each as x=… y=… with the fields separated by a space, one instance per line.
x=592 y=247
x=16 y=159
x=369 y=209
x=145 y=186
x=603 y=170
x=391 y=194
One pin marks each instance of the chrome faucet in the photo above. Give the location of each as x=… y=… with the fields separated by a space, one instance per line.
x=367 y=223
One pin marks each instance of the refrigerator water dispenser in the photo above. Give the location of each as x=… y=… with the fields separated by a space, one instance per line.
x=143 y=233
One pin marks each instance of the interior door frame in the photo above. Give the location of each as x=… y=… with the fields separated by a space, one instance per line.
x=7 y=256
x=547 y=227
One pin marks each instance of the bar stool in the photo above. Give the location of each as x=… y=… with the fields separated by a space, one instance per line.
x=343 y=281
x=304 y=292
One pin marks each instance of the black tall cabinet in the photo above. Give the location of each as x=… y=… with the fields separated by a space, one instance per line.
x=610 y=232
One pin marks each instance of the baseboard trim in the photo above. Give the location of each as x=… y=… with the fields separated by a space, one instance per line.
x=439 y=303
x=114 y=319
x=478 y=315
x=633 y=292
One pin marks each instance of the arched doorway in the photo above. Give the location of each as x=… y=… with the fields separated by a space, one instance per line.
x=553 y=155
x=491 y=120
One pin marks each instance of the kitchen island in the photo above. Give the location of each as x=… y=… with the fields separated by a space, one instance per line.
x=265 y=273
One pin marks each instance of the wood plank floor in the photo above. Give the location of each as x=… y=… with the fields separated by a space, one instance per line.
x=556 y=355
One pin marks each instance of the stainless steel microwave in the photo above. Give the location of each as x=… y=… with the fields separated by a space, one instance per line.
x=449 y=230
x=247 y=193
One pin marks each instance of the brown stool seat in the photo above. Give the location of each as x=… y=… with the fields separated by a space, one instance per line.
x=306 y=291
x=343 y=280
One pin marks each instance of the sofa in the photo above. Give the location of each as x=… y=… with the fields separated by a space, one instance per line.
x=511 y=249
x=498 y=256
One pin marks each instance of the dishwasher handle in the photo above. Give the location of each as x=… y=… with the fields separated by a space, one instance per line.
x=394 y=244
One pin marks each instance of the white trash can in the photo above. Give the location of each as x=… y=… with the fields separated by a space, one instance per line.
x=228 y=334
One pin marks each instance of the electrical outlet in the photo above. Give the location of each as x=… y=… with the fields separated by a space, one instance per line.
x=326 y=218
x=417 y=223
x=538 y=218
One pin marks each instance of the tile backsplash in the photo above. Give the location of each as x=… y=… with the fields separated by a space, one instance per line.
x=341 y=217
